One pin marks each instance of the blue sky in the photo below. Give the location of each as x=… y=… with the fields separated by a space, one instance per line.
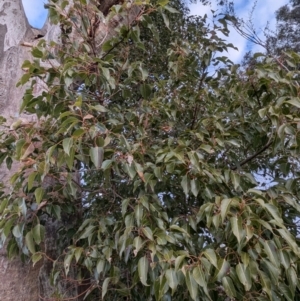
x=263 y=13
x=35 y=12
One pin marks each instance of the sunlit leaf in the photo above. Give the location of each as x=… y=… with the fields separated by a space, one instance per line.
x=237 y=228
x=210 y=254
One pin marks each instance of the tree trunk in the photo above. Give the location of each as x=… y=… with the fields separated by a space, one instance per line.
x=21 y=281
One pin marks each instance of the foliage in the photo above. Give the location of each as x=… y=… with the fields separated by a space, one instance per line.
x=286 y=36
x=153 y=170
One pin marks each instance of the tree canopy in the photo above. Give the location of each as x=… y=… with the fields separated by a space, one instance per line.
x=286 y=35
x=147 y=150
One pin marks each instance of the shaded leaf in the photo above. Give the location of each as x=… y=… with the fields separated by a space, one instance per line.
x=229 y=287
x=96 y=154
x=143 y=266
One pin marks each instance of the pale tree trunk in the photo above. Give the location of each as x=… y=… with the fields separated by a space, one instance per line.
x=18 y=281
x=21 y=281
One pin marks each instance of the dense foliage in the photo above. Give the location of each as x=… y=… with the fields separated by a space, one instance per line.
x=151 y=160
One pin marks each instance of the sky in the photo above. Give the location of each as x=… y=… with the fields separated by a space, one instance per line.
x=35 y=12
x=264 y=12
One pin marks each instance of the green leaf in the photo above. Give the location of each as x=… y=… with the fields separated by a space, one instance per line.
x=294 y=101
x=96 y=154
x=77 y=253
x=229 y=287
x=144 y=73
x=224 y=268
x=56 y=210
x=124 y=206
x=100 y=265
x=235 y=178
x=25 y=78
x=195 y=187
x=138 y=210
x=192 y=285
x=185 y=184
x=67 y=262
x=148 y=233
x=290 y=240
x=166 y=20
x=210 y=254
x=38 y=233
x=29 y=242
x=106 y=73
x=271 y=251
x=171 y=9
x=31 y=179
x=145 y=90
x=162 y=2
x=3 y=205
x=17 y=231
x=37 y=53
x=87 y=232
x=7 y=226
x=199 y=276
x=274 y=212
x=106 y=164
x=143 y=266
x=100 y=108
x=138 y=243
x=105 y=286
x=243 y=274
x=78 y=133
x=265 y=282
x=285 y=290
x=292 y=278
x=67 y=144
x=284 y=258
x=177 y=228
x=28 y=151
x=178 y=261
x=49 y=153
x=271 y=270
x=39 y=193
x=224 y=208
x=36 y=257
x=172 y=278
x=237 y=228
x=129 y=222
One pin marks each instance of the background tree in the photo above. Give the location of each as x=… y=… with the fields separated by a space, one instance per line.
x=286 y=36
x=152 y=168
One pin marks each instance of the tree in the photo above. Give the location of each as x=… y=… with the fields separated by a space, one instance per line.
x=148 y=172
x=18 y=280
x=286 y=36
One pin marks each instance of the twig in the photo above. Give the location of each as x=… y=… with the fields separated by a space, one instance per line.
x=253 y=156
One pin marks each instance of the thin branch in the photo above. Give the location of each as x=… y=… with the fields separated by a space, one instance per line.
x=253 y=156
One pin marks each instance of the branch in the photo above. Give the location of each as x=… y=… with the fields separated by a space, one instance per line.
x=253 y=156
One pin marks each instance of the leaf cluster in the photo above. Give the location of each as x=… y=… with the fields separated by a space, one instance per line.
x=151 y=161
